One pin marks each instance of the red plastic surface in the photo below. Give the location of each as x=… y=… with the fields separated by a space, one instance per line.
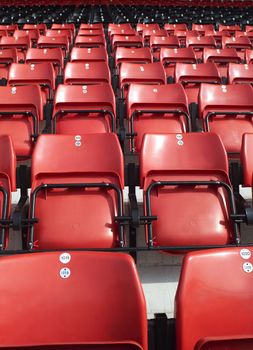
x=135 y=55
x=214 y=287
x=240 y=73
x=20 y=99
x=95 y=54
x=241 y=42
x=227 y=98
x=53 y=55
x=247 y=159
x=198 y=215
x=87 y=73
x=32 y=73
x=92 y=308
x=62 y=212
x=90 y=41
x=7 y=175
x=156 y=97
x=149 y=73
x=191 y=75
x=84 y=98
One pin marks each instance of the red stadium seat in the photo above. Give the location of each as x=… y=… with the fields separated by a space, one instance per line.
x=183 y=34
x=157 y=42
x=248 y=28
x=87 y=73
x=7 y=56
x=217 y=35
x=214 y=286
x=134 y=55
x=239 y=43
x=7 y=184
x=170 y=27
x=149 y=73
x=55 y=33
x=81 y=309
x=49 y=42
x=202 y=28
x=54 y=56
x=33 y=34
x=84 y=109
x=82 y=184
x=40 y=26
x=192 y=75
x=9 y=27
x=230 y=28
x=22 y=44
x=20 y=111
x=199 y=43
x=156 y=109
x=3 y=33
x=91 y=26
x=90 y=41
x=227 y=110
x=126 y=41
x=90 y=32
x=31 y=73
x=142 y=26
x=240 y=73
x=249 y=56
x=169 y=58
x=185 y=182
x=112 y=26
x=222 y=57
x=64 y=26
x=122 y=31
x=147 y=33
x=247 y=159
x=95 y=54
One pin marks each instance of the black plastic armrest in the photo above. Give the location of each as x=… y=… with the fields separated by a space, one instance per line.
x=19 y=213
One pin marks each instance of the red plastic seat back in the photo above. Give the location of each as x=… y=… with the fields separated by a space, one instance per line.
x=149 y=73
x=235 y=98
x=156 y=109
x=183 y=157
x=134 y=55
x=192 y=75
x=94 y=158
x=95 y=54
x=22 y=43
x=241 y=42
x=81 y=308
x=16 y=100
x=9 y=27
x=214 y=286
x=181 y=153
x=170 y=27
x=87 y=73
x=7 y=180
x=142 y=26
x=202 y=27
x=8 y=56
x=221 y=55
x=91 y=104
x=42 y=74
x=157 y=42
x=185 y=55
x=247 y=159
x=199 y=42
x=90 y=41
x=41 y=26
x=240 y=73
x=53 y=55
